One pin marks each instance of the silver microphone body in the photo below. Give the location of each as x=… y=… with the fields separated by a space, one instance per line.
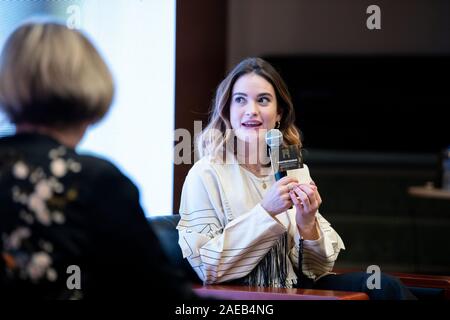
x=282 y=158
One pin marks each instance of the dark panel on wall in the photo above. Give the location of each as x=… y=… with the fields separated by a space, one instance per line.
x=373 y=126
x=370 y=103
x=200 y=66
x=336 y=27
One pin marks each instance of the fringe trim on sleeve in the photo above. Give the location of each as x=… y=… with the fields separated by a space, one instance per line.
x=272 y=270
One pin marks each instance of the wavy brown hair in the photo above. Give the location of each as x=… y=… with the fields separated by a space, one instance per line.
x=218 y=132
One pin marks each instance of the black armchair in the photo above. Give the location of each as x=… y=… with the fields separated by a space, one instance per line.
x=165 y=229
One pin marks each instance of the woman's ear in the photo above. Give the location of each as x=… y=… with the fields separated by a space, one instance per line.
x=279 y=116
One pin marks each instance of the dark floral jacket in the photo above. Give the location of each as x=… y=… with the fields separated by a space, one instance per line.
x=60 y=212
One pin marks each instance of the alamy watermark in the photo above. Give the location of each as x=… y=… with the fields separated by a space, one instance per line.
x=374 y=280
x=374 y=20
x=250 y=148
x=74 y=279
x=73 y=20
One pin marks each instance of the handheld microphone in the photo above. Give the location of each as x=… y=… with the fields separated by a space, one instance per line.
x=283 y=158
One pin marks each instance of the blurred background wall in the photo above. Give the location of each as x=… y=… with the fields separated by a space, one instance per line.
x=137 y=39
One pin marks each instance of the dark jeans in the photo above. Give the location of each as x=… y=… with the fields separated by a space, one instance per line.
x=390 y=287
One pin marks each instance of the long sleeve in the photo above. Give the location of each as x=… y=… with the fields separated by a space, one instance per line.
x=318 y=256
x=219 y=250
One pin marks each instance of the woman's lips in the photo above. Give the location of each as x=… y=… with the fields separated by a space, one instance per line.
x=252 y=124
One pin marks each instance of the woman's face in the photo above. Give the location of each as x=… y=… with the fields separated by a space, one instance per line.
x=253 y=108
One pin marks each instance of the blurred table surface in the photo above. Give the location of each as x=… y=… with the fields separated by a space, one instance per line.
x=238 y=292
x=429 y=191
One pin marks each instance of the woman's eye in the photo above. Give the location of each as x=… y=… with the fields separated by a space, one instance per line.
x=264 y=100
x=239 y=100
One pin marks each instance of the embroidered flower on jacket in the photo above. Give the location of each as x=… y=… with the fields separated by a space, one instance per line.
x=41 y=198
x=52 y=275
x=72 y=194
x=58 y=217
x=38 y=265
x=14 y=240
x=43 y=190
x=58 y=152
x=58 y=167
x=38 y=206
x=75 y=167
x=56 y=186
x=20 y=170
x=18 y=196
x=9 y=260
x=44 y=217
x=37 y=175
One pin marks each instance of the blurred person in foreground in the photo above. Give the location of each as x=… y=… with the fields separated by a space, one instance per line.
x=71 y=225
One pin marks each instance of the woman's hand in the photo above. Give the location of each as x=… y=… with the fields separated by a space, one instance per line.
x=306 y=199
x=277 y=198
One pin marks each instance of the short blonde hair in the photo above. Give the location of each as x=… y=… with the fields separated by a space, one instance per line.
x=52 y=75
x=213 y=139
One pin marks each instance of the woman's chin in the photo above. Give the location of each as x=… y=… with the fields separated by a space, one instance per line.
x=251 y=136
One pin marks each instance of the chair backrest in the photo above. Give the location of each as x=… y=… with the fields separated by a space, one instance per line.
x=165 y=229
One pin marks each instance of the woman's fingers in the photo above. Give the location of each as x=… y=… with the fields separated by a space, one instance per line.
x=314 y=187
x=286 y=184
x=310 y=192
x=287 y=180
x=313 y=195
x=319 y=198
x=303 y=198
x=294 y=199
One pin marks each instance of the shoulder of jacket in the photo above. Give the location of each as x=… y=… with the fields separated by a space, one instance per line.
x=206 y=164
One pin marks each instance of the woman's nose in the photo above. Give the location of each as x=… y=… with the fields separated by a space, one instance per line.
x=251 y=109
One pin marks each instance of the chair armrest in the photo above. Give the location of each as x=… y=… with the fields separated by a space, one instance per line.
x=425 y=281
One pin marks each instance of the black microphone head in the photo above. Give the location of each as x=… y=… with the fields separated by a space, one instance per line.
x=274 y=138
